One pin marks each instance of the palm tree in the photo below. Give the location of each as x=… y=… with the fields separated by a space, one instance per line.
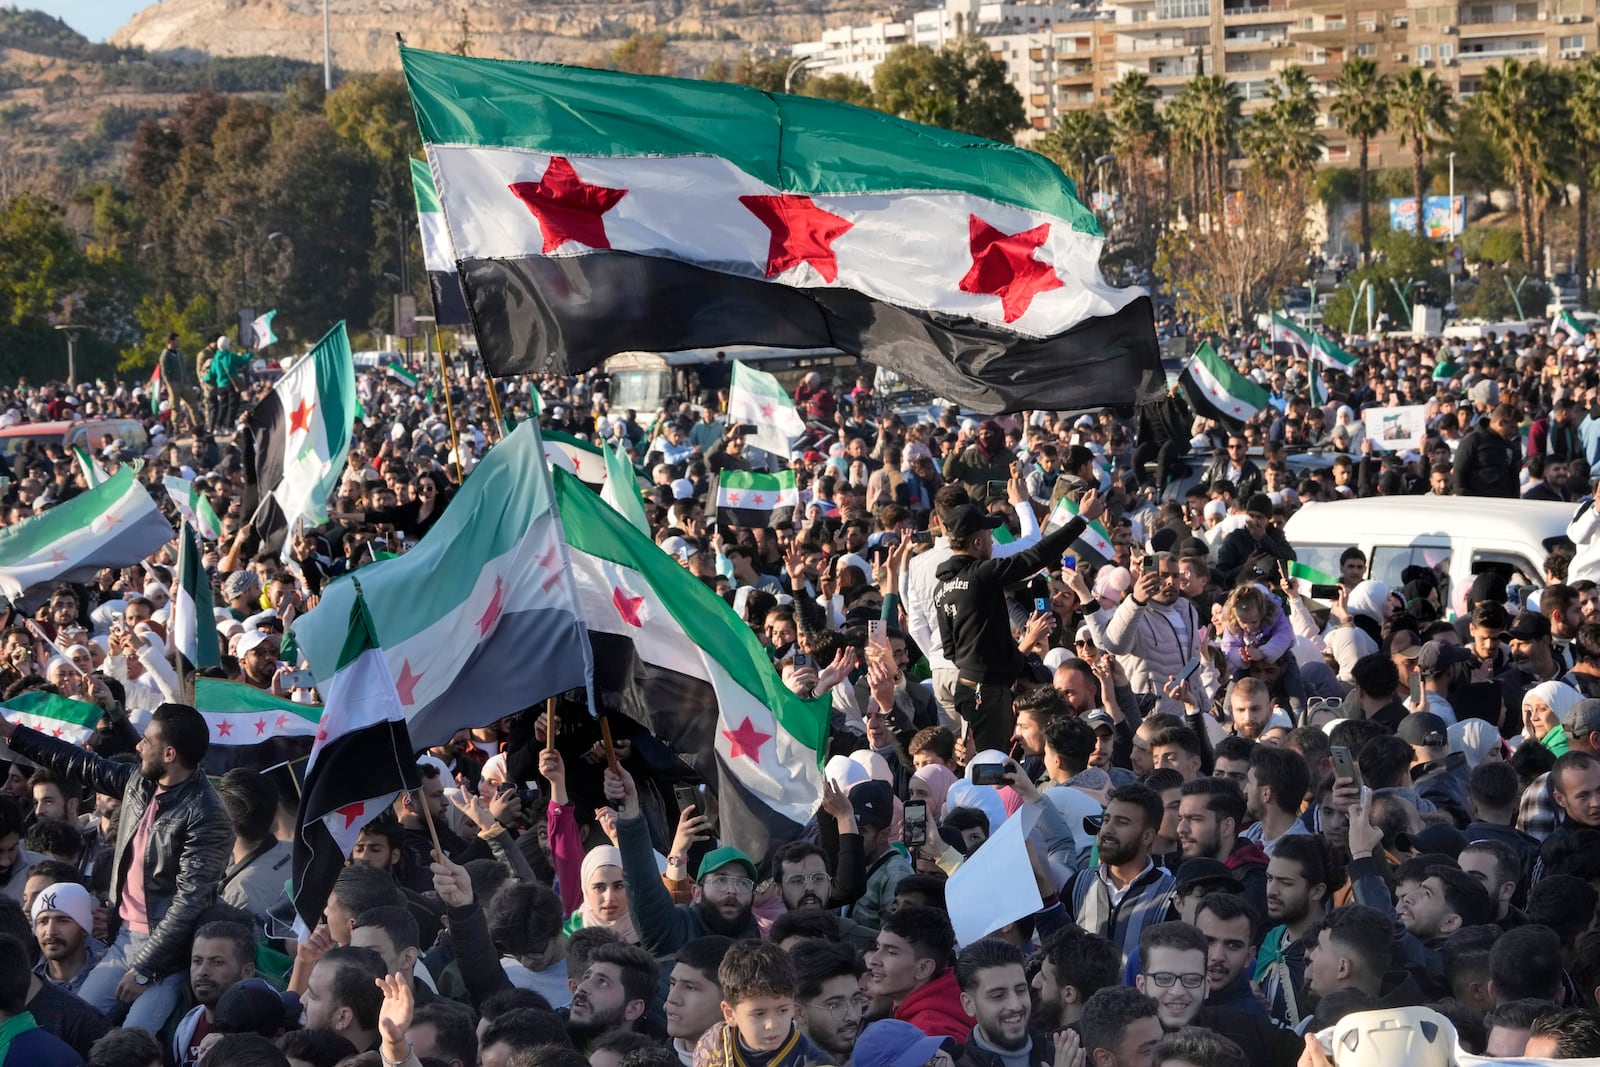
x=1282 y=137
x=1516 y=104
x=1362 y=111
x=1419 y=107
x=1583 y=103
x=1075 y=142
x=1209 y=117
x=1134 y=122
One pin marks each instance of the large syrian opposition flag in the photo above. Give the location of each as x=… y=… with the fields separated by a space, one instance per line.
x=301 y=432
x=1565 y=329
x=449 y=302
x=1217 y=391
x=594 y=212
x=361 y=759
x=73 y=721
x=1093 y=545
x=670 y=654
x=115 y=524
x=252 y=728
x=479 y=619
x=756 y=398
x=194 y=506
x=750 y=500
x=192 y=620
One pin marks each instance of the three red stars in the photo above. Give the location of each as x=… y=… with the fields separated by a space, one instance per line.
x=1003 y=266
x=802 y=232
x=567 y=208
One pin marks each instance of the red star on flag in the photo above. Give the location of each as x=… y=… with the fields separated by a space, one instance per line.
x=550 y=563
x=746 y=741
x=577 y=464
x=322 y=735
x=261 y=727
x=1003 y=266
x=111 y=520
x=352 y=812
x=733 y=499
x=627 y=606
x=492 y=612
x=57 y=732
x=802 y=232
x=224 y=728
x=282 y=721
x=300 y=417
x=567 y=209
x=406 y=684
x=57 y=557
x=767 y=409
x=760 y=499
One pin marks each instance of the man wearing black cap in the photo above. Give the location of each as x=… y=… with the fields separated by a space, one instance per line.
x=974 y=624
x=1249 y=553
x=1438 y=774
x=1533 y=658
x=886 y=866
x=1442 y=665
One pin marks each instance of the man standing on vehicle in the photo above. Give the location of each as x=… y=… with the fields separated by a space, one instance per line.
x=1490 y=457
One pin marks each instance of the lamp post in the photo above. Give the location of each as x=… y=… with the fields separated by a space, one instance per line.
x=405 y=276
x=796 y=67
x=72 y=330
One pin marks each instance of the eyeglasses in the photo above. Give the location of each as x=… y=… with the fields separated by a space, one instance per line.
x=725 y=882
x=1164 y=979
x=842 y=1008
x=801 y=881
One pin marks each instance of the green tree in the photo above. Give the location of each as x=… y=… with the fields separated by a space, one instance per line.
x=959 y=87
x=840 y=87
x=642 y=53
x=766 y=74
x=1583 y=103
x=1516 y=106
x=1134 y=122
x=1205 y=117
x=1420 y=107
x=1361 y=108
x=1077 y=140
x=195 y=323
x=1282 y=137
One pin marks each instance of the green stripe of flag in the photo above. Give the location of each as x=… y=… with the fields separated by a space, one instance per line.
x=422 y=185
x=26 y=539
x=38 y=704
x=404 y=375
x=797 y=144
x=742 y=480
x=229 y=698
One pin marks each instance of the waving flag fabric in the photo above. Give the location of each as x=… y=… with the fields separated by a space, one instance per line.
x=449 y=303
x=593 y=212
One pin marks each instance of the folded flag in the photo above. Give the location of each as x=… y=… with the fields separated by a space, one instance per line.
x=115 y=524
x=1565 y=329
x=756 y=398
x=575 y=456
x=261 y=330
x=1217 y=391
x=577 y=204
x=1094 y=546
x=750 y=500
x=301 y=431
x=620 y=491
x=192 y=618
x=449 y=303
x=362 y=757
x=73 y=721
x=1314 y=345
x=671 y=654
x=479 y=619
x=93 y=473
x=1305 y=576
x=194 y=506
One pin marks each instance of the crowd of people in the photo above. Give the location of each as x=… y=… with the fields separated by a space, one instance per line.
x=1252 y=814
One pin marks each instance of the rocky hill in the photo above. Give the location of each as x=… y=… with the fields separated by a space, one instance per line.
x=573 y=31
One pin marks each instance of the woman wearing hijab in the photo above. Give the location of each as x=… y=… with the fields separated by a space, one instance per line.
x=1544 y=711
x=930 y=785
x=605 y=896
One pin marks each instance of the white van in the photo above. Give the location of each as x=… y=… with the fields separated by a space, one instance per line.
x=1457 y=536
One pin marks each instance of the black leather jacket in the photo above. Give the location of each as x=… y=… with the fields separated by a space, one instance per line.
x=190 y=844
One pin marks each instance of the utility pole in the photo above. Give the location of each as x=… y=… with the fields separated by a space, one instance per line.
x=327 y=51
x=72 y=330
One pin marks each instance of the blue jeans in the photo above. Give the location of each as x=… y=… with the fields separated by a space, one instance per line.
x=155 y=1004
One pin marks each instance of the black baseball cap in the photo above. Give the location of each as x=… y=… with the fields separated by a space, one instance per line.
x=968 y=519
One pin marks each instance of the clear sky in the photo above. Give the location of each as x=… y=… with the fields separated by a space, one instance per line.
x=95 y=19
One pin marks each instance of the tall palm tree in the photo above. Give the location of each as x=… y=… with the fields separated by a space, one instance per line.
x=1133 y=112
x=1361 y=108
x=1583 y=103
x=1419 y=107
x=1210 y=115
x=1516 y=104
x=1078 y=138
x=1282 y=137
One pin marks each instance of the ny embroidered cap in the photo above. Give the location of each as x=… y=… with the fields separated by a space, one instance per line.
x=726 y=856
x=69 y=898
x=892 y=1043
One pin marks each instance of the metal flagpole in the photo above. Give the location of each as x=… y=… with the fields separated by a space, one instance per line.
x=449 y=407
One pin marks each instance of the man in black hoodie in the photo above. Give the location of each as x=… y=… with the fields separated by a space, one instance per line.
x=974 y=623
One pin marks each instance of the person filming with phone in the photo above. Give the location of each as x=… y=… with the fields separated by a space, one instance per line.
x=974 y=624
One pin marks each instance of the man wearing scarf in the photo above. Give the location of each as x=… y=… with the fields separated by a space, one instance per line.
x=984 y=464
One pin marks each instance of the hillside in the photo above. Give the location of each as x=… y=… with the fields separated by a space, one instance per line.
x=575 y=31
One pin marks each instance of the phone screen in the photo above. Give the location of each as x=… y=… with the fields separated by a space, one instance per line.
x=1416 y=689
x=915 y=824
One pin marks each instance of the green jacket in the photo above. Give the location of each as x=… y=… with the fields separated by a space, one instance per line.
x=664 y=927
x=228 y=369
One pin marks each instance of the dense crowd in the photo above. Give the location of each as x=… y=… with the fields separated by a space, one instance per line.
x=1252 y=813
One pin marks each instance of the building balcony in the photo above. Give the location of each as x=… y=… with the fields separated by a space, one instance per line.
x=1495 y=51
x=1167 y=45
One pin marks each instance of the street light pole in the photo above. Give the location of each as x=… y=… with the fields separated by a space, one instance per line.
x=795 y=68
x=405 y=275
x=72 y=330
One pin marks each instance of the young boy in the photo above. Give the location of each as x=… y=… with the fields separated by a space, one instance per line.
x=758 y=1010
